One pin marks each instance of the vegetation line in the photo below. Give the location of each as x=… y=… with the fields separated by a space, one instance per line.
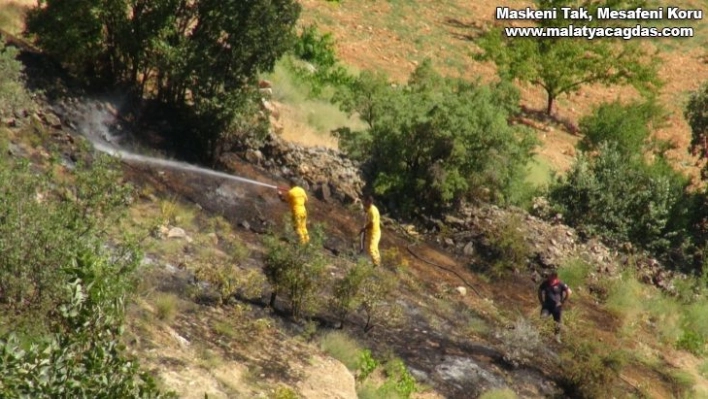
x=444 y=268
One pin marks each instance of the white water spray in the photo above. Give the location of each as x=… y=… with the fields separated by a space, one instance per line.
x=174 y=165
x=94 y=126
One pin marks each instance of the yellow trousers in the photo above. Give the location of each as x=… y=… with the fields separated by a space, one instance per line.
x=372 y=245
x=300 y=226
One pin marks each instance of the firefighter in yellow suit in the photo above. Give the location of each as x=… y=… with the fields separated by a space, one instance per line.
x=297 y=198
x=373 y=230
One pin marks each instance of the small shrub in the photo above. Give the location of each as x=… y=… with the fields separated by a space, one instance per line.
x=393 y=258
x=399 y=379
x=374 y=295
x=295 y=270
x=346 y=295
x=222 y=275
x=692 y=341
x=627 y=125
x=367 y=365
x=507 y=241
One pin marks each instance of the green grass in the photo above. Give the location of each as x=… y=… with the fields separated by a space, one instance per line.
x=318 y=113
x=574 y=272
x=703 y=369
x=11 y=16
x=343 y=348
x=166 y=306
x=499 y=394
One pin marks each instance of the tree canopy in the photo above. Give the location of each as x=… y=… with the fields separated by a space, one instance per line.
x=202 y=55
x=436 y=140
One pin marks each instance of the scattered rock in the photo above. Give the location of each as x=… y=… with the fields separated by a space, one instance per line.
x=176 y=232
x=254 y=156
x=53 y=120
x=246 y=225
x=461 y=290
x=213 y=238
x=327 y=378
x=468 y=249
x=323 y=192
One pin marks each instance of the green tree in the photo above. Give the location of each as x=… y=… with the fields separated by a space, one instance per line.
x=199 y=57
x=563 y=65
x=436 y=140
x=696 y=113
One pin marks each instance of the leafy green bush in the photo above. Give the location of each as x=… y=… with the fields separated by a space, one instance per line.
x=399 y=379
x=84 y=357
x=46 y=221
x=367 y=365
x=624 y=199
x=295 y=270
x=509 y=250
x=434 y=141
x=626 y=125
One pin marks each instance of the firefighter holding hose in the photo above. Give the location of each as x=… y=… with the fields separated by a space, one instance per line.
x=297 y=198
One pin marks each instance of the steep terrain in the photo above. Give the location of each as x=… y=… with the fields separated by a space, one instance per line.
x=460 y=326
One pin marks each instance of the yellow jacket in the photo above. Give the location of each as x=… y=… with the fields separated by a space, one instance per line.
x=374 y=218
x=297 y=198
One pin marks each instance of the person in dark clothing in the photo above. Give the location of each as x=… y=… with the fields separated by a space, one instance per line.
x=552 y=293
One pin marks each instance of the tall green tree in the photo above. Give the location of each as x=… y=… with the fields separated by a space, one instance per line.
x=564 y=65
x=696 y=113
x=433 y=142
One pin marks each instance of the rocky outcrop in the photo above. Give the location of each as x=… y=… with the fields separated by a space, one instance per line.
x=328 y=173
x=550 y=242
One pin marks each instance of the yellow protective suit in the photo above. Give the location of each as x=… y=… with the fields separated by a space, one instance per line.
x=297 y=198
x=373 y=234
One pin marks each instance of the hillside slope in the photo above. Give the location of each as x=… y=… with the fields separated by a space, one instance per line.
x=462 y=325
